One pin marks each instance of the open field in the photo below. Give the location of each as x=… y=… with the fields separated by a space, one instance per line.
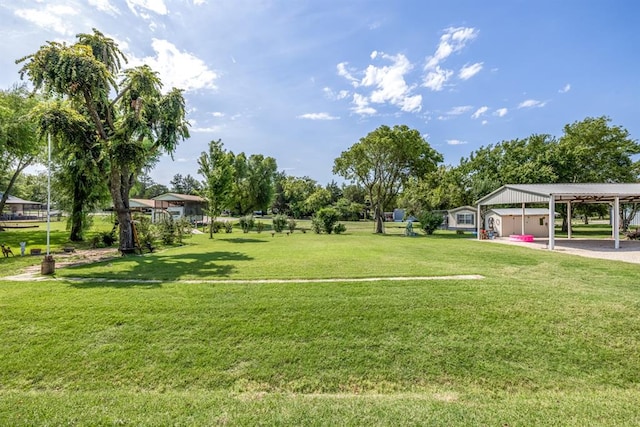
x=543 y=339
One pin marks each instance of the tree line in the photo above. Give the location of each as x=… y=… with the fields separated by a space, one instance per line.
x=110 y=125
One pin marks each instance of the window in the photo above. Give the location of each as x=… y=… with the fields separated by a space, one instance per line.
x=466 y=218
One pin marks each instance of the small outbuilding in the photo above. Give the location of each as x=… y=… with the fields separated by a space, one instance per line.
x=508 y=221
x=570 y=194
x=16 y=208
x=179 y=206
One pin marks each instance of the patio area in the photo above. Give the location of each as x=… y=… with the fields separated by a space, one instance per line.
x=629 y=250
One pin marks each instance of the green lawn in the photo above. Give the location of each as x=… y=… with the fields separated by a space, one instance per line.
x=544 y=339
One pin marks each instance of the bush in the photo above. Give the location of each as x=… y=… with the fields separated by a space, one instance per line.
x=291 y=223
x=228 y=227
x=259 y=226
x=147 y=234
x=183 y=229
x=279 y=223
x=246 y=223
x=324 y=220
x=174 y=231
x=339 y=228
x=430 y=221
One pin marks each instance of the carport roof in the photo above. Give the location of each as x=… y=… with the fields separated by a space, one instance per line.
x=542 y=193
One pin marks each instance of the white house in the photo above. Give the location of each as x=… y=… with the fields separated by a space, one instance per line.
x=461 y=218
x=179 y=206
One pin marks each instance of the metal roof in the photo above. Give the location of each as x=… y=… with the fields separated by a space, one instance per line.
x=518 y=211
x=175 y=197
x=541 y=193
x=13 y=200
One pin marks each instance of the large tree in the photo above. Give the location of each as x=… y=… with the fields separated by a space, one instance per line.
x=216 y=166
x=134 y=120
x=383 y=161
x=20 y=143
x=80 y=167
x=254 y=178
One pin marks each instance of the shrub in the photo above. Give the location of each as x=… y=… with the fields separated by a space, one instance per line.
x=228 y=227
x=108 y=238
x=183 y=229
x=259 y=226
x=147 y=234
x=291 y=223
x=246 y=223
x=430 y=221
x=216 y=226
x=459 y=231
x=339 y=228
x=166 y=229
x=279 y=223
x=316 y=225
x=324 y=220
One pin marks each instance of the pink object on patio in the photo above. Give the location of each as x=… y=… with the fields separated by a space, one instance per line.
x=521 y=237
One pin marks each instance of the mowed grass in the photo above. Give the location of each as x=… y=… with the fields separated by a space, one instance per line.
x=543 y=339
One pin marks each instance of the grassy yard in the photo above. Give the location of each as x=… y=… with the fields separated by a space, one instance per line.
x=543 y=339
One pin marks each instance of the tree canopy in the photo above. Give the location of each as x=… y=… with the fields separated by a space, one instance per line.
x=134 y=121
x=383 y=161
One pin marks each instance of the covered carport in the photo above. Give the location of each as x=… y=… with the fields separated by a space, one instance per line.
x=552 y=194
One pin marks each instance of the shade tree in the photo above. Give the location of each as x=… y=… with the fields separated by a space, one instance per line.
x=134 y=120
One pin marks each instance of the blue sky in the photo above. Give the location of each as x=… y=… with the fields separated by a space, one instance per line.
x=303 y=80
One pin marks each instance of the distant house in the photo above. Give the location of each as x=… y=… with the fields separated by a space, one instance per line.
x=19 y=209
x=179 y=206
x=507 y=221
x=461 y=218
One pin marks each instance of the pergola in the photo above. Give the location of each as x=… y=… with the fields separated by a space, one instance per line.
x=551 y=194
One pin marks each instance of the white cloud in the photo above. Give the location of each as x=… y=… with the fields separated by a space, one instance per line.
x=436 y=78
x=469 y=71
x=456 y=111
x=178 y=69
x=104 y=6
x=217 y=114
x=455 y=142
x=318 y=116
x=361 y=105
x=329 y=93
x=342 y=71
x=199 y=2
x=531 y=103
x=156 y=6
x=453 y=40
x=500 y=112
x=565 y=89
x=387 y=84
x=479 y=112
x=390 y=84
x=484 y=122
x=211 y=129
x=51 y=17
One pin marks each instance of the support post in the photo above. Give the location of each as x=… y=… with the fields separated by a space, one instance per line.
x=552 y=217
x=522 y=225
x=616 y=223
x=569 y=219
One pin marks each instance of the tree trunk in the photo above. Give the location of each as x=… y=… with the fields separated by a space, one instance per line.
x=77 y=219
x=119 y=187
x=379 y=219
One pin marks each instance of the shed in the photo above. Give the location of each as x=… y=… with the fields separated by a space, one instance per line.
x=508 y=221
x=180 y=206
x=16 y=208
x=461 y=218
x=551 y=194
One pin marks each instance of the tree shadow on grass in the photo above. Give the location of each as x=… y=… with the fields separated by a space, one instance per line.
x=242 y=240
x=158 y=267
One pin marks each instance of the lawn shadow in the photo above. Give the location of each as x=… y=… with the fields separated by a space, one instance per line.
x=139 y=270
x=242 y=240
